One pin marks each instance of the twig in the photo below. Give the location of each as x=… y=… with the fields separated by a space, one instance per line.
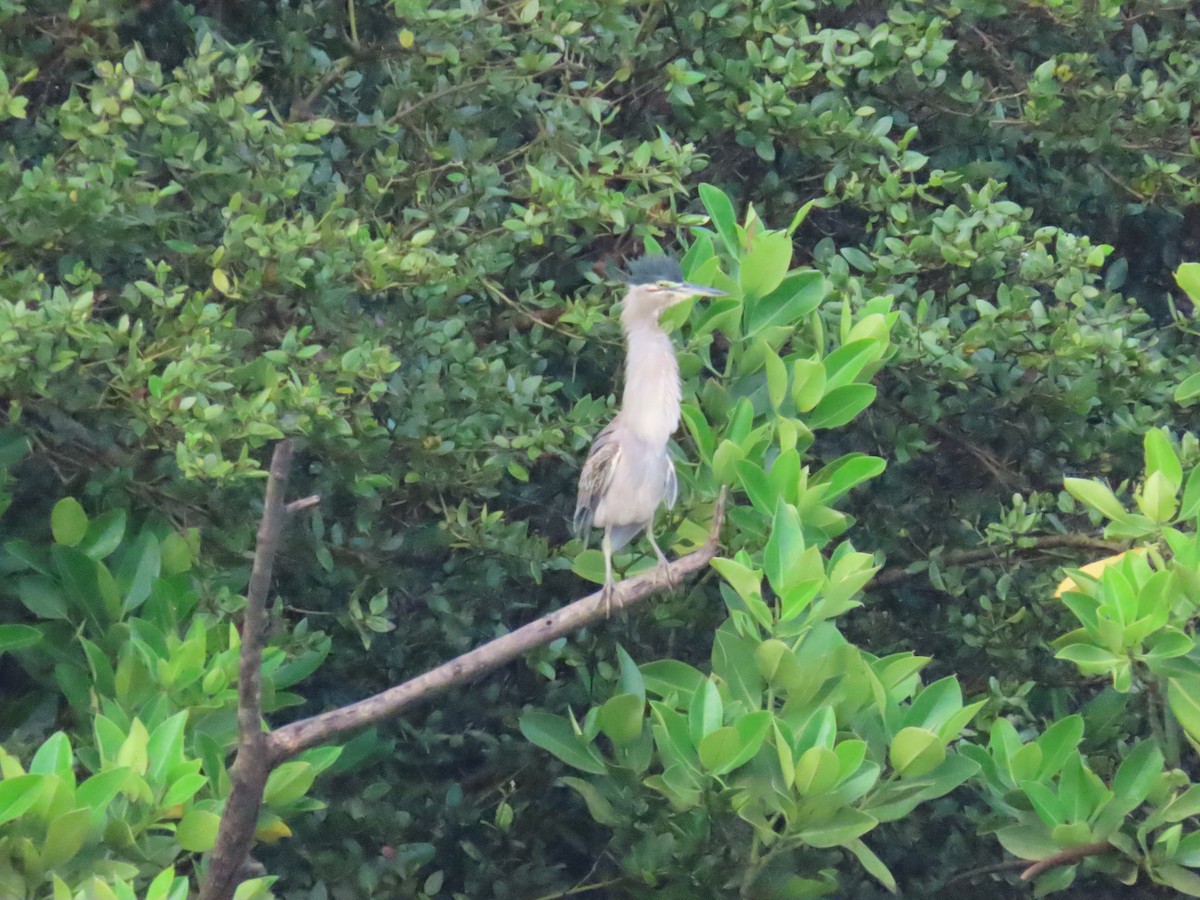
x=252 y=765
x=971 y=874
x=895 y=574
x=1067 y=857
x=302 y=109
x=286 y=742
x=303 y=503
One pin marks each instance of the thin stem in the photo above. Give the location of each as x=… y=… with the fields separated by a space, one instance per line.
x=1067 y=857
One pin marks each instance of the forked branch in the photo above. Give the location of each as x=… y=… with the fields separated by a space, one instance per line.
x=259 y=751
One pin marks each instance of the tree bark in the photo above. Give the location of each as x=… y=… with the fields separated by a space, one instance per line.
x=252 y=764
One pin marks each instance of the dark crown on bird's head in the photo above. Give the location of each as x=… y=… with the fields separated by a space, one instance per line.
x=652 y=269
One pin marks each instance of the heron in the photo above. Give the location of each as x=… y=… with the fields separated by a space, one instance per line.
x=628 y=471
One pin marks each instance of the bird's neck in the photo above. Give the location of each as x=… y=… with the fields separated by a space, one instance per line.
x=650 y=404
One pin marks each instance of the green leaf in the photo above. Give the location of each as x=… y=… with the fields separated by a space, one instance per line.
x=733 y=660
x=80 y=583
x=1095 y=659
x=846 y=825
x=631 y=676
x=746 y=581
x=141 y=564
x=104 y=534
x=15 y=637
x=197 y=830
x=701 y=432
x=1178 y=878
x=817 y=770
x=99 y=790
x=841 y=405
x=621 y=718
x=761 y=270
x=1096 y=495
x=666 y=676
x=1188 y=389
x=1190 y=505
x=589 y=565
x=42 y=596
x=1161 y=457
x=721 y=212
x=1057 y=743
x=705 y=713
x=719 y=748
x=288 y=783
x=873 y=864
x=1027 y=842
x=729 y=747
x=555 y=735
x=808 y=383
x=844 y=364
x=159 y=888
x=758 y=486
x=1183 y=696
x=915 y=752
x=752 y=730
x=784 y=549
x=165 y=747
x=65 y=837
x=599 y=808
x=783 y=754
x=1137 y=774
x=788 y=304
x=54 y=757
x=777 y=379
x=68 y=522
x=848 y=472
x=1187 y=276
x=935 y=704
x=133 y=748
x=18 y=794
x=1182 y=807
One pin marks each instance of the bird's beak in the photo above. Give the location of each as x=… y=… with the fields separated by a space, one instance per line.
x=698 y=290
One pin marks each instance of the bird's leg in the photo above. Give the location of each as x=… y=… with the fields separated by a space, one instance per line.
x=606 y=593
x=663 y=565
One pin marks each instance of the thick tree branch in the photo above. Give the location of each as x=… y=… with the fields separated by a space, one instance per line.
x=895 y=574
x=252 y=765
x=289 y=740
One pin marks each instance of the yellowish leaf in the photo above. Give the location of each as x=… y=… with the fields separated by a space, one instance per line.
x=272 y=830
x=1094 y=569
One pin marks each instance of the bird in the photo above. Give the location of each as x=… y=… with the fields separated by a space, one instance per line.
x=628 y=472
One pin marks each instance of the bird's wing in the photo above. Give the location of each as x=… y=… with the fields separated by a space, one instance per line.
x=595 y=478
x=672 y=493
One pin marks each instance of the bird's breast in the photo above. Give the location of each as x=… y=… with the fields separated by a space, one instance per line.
x=638 y=486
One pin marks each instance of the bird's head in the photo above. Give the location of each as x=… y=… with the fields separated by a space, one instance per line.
x=656 y=283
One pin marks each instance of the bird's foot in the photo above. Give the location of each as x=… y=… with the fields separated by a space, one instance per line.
x=607 y=594
x=664 y=571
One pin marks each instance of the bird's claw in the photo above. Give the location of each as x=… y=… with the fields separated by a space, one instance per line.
x=606 y=598
x=664 y=570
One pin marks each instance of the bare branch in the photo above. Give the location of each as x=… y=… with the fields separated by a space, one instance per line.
x=895 y=574
x=303 y=503
x=1067 y=857
x=252 y=765
x=289 y=740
